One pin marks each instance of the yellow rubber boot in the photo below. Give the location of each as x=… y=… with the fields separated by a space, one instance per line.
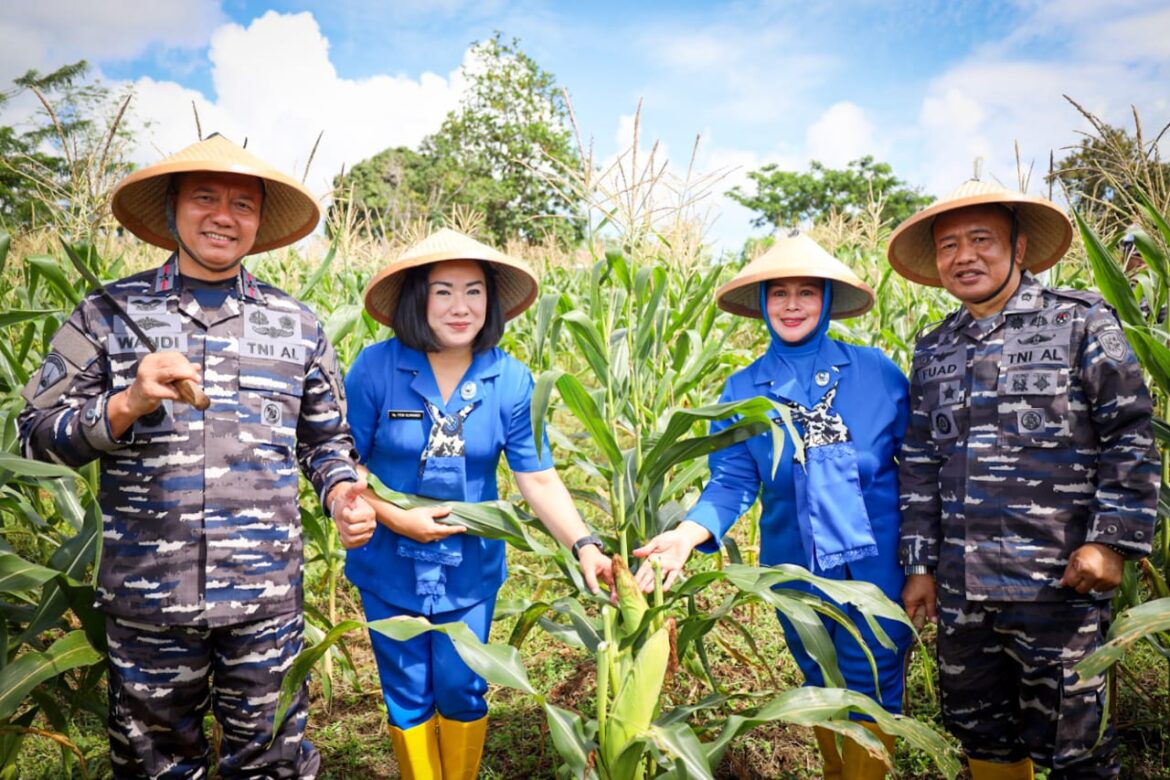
x=461 y=747
x=417 y=751
x=993 y=770
x=858 y=764
x=827 y=741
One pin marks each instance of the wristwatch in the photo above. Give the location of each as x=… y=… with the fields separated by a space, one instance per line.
x=585 y=541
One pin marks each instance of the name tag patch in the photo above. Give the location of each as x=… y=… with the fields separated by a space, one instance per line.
x=127 y=343
x=271 y=350
x=403 y=414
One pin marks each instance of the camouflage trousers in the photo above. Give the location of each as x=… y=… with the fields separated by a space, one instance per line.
x=163 y=679
x=1008 y=686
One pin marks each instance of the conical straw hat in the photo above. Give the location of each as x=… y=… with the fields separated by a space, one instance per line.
x=290 y=211
x=795 y=255
x=515 y=284
x=1049 y=232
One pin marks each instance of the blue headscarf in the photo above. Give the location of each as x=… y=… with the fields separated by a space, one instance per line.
x=792 y=362
x=830 y=508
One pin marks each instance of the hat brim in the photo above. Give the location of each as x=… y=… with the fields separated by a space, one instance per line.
x=515 y=285
x=911 y=249
x=289 y=213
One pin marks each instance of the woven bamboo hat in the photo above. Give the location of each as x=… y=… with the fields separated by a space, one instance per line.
x=290 y=211
x=1049 y=232
x=794 y=255
x=515 y=284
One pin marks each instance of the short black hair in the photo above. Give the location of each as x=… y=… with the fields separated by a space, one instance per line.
x=410 y=316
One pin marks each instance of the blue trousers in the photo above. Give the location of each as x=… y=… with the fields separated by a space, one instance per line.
x=851 y=658
x=425 y=674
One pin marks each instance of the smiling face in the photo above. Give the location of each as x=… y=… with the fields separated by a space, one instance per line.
x=973 y=254
x=217 y=216
x=794 y=306
x=456 y=303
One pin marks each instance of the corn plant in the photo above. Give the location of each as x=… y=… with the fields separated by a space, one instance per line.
x=54 y=640
x=1142 y=311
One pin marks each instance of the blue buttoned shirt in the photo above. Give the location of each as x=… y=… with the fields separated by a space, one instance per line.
x=872 y=401
x=387 y=387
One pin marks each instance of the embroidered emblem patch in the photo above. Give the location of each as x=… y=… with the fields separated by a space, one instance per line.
x=1112 y=343
x=270 y=412
x=1031 y=420
x=944 y=424
x=51 y=373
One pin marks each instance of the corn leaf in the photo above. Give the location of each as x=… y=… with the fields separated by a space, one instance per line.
x=1130 y=627
x=34 y=667
x=568 y=736
x=18 y=575
x=489 y=519
x=827 y=707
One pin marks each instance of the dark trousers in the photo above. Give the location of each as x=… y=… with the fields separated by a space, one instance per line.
x=1008 y=686
x=164 y=679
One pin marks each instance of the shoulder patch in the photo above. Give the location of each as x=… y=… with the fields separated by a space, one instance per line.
x=1112 y=342
x=52 y=372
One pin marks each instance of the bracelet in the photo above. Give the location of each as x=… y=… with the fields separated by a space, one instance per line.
x=918 y=568
x=585 y=541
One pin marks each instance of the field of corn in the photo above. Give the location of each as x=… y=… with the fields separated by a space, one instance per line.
x=629 y=352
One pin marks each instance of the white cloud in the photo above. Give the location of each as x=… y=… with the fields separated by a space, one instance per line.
x=275 y=86
x=1106 y=57
x=46 y=34
x=841 y=134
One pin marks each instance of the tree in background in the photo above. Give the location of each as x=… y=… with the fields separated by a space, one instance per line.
x=60 y=172
x=499 y=153
x=787 y=199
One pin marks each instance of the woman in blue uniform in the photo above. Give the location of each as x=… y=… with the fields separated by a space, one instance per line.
x=836 y=515
x=431 y=410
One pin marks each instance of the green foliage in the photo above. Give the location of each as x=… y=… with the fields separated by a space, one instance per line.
x=1141 y=309
x=54 y=641
x=1107 y=175
x=69 y=187
x=498 y=153
x=787 y=199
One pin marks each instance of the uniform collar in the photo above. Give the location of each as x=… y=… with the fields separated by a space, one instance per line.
x=1029 y=296
x=484 y=366
x=166 y=280
x=827 y=366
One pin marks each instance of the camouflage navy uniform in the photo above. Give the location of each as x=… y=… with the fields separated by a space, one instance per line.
x=201 y=524
x=1030 y=435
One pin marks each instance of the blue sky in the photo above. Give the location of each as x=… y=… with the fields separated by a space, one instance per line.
x=927 y=86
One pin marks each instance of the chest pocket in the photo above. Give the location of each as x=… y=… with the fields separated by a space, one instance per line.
x=270 y=401
x=1032 y=390
x=944 y=395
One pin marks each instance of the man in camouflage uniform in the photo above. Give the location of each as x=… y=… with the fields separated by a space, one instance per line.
x=201 y=572
x=1028 y=475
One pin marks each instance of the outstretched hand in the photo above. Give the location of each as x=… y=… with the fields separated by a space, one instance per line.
x=595 y=566
x=670 y=550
